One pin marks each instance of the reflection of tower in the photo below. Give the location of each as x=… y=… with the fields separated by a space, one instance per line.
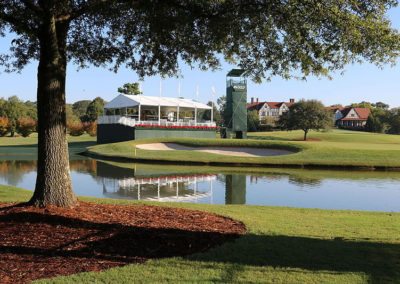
x=235 y=189
x=236 y=100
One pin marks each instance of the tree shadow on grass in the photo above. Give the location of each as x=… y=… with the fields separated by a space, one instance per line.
x=37 y=245
x=381 y=261
x=42 y=245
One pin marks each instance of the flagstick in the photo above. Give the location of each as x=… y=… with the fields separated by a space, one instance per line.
x=212 y=103
x=179 y=96
x=195 y=110
x=159 y=104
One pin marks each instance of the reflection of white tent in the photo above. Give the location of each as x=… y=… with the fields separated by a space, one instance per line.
x=132 y=182
x=144 y=185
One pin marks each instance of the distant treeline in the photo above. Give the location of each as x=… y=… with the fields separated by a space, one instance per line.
x=18 y=116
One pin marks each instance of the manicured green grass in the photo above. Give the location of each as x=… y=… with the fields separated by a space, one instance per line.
x=13 y=194
x=283 y=245
x=20 y=148
x=336 y=148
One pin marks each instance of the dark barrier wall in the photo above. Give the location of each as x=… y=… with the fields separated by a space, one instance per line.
x=110 y=133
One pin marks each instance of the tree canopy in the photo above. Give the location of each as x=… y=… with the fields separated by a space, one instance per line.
x=14 y=109
x=79 y=108
x=306 y=115
x=95 y=109
x=130 y=89
x=267 y=38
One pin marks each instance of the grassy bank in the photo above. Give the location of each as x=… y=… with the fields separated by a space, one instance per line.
x=21 y=148
x=337 y=148
x=283 y=245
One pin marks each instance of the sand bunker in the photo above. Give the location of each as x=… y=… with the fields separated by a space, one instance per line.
x=228 y=151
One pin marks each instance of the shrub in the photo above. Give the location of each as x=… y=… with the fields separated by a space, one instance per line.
x=75 y=128
x=25 y=126
x=91 y=128
x=4 y=126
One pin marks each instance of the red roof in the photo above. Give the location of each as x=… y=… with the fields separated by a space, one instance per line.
x=255 y=106
x=259 y=105
x=362 y=112
x=345 y=111
x=274 y=104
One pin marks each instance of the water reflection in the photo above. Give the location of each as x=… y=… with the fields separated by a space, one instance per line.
x=235 y=189
x=163 y=188
x=13 y=171
x=277 y=187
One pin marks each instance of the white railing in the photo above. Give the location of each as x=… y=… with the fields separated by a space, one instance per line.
x=117 y=119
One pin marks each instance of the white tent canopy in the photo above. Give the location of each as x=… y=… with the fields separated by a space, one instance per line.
x=126 y=101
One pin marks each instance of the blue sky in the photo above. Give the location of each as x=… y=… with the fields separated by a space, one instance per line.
x=359 y=82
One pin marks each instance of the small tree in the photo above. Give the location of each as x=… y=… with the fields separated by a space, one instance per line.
x=394 y=122
x=253 y=120
x=90 y=128
x=95 y=109
x=79 y=108
x=4 y=122
x=25 y=126
x=221 y=102
x=306 y=115
x=216 y=114
x=130 y=89
x=14 y=108
x=75 y=128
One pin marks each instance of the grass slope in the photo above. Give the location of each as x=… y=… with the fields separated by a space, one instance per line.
x=283 y=245
x=337 y=148
x=20 y=148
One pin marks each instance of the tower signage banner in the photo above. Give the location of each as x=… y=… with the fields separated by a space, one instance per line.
x=239 y=87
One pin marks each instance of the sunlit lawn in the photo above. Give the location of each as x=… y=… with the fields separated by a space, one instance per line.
x=334 y=148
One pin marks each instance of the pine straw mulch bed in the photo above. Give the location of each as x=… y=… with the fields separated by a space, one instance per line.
x=41 y=243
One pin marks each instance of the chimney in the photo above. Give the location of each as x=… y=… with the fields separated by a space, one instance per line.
x=252 y=100
x=257 y=100
x=291 y=100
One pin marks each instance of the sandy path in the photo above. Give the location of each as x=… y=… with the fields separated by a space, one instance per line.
x=228 y=151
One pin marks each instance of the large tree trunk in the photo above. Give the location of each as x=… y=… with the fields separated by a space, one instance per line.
x=53 y=182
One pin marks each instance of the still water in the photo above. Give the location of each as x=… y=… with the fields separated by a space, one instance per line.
x=357 y=190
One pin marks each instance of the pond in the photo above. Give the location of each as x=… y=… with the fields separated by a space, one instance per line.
x=355 y=190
